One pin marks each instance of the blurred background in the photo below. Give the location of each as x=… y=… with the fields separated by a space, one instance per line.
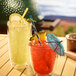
x=53 y=16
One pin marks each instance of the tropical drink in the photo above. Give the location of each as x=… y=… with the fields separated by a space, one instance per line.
x=43 y=57
x=19 y=32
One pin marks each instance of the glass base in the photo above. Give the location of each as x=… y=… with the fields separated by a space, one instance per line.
x=50 y=74
x=42 y=75
x=18 y=66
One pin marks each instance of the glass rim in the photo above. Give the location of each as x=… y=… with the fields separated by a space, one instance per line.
x=38 y=47
x=8 y=25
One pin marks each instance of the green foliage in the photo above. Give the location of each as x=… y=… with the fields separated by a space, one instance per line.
x=8 y=7
x=71 y=29
x=60 y=30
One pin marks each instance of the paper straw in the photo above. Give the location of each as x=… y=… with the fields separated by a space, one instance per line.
x=35 y=30
x=25 y=12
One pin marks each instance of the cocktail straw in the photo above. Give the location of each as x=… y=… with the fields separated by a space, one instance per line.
x=25 y=12
x=35 y=30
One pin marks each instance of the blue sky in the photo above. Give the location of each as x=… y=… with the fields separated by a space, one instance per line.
x=57 y=7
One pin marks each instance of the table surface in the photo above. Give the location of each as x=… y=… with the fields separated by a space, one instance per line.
x=64 y=66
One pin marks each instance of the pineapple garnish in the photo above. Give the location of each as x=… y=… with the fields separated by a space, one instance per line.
x=42 y=36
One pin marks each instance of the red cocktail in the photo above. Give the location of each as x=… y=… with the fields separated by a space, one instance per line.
x=43 y=57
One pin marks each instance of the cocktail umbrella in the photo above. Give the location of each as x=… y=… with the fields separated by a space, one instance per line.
x=55 y=44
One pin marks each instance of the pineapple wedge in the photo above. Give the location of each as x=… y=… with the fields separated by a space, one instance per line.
x=42 y=36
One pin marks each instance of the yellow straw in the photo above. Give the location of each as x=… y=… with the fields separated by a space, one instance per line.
x=25 y=12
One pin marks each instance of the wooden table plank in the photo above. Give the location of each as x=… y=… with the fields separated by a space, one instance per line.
x=3 y=35
x=3 y=42
x=69 y=68
x=3 y=50
x=28 y=71
x=75 y=71
x=2 y=38
x=59 y=65
x=4 y=59
x=5 y=62
x=5 y=69
x=15 y=72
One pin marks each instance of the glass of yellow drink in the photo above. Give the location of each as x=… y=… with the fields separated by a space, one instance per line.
x=19 y=32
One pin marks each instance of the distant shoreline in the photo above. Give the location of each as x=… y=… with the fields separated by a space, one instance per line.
x=63 y=18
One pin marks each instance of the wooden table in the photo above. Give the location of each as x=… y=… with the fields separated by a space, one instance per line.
x=64 y=66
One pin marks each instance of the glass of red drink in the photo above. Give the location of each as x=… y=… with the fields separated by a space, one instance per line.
x=43 y=58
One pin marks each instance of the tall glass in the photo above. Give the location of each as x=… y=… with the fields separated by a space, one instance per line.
x=19 y=34
x=43 y=58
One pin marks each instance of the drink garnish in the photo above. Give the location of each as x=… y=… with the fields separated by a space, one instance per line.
x=42 y=36
x=15 y=17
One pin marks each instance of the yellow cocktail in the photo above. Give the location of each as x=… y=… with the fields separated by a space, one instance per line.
x=19 y=32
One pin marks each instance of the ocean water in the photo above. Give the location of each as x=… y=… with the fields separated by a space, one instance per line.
x=57 y=7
